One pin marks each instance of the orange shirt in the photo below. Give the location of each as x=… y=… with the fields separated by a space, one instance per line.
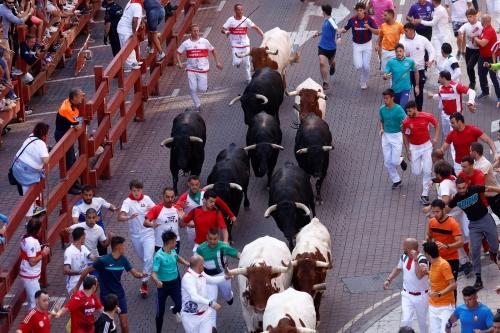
x=68 y=112
x=390 y=34
x=445 y=232
x=439 y=275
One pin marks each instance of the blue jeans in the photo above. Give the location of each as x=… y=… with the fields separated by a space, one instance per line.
x=154 y=17
x=402 y=98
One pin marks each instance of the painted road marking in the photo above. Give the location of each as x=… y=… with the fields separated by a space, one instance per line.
x=175 y=92
x=206 y=32
x=70 y=78
x=221 y=5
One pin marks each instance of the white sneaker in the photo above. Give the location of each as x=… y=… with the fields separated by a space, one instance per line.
x=136 y=65
x=160 y=56
x=150 y=50
x=364 y=86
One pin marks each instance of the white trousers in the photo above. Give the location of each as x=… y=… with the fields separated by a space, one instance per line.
x=386 y=55
x=421 y=163
x=30 y=211
x=361 y=56
x=131 y=57
x=493 y=8
x=438 y=317
x=197 y=82
x=446 y=126
x=144 y=247
x=392 y=146
x=213 y=291
x=245 y=60
x=411 y=306
x=197 y=324
x=31 y=286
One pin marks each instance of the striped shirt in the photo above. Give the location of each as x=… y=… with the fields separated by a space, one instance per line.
x=360 y=33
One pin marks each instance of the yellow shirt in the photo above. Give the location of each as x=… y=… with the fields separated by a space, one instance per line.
x=390 y=34
x=439 y=275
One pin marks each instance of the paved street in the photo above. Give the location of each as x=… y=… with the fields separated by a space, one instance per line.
x=367 y=220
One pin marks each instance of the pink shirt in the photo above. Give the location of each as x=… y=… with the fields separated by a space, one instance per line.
x=378 y=8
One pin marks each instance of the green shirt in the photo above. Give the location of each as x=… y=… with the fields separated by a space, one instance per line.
x=400 y=69
x=213 y=256
x=392 y=118
x=495 y=67
x=165 y=265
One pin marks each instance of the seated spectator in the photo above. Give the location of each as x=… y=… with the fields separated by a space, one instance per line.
x=31 y=52
x=4 y=64
x=9 y=18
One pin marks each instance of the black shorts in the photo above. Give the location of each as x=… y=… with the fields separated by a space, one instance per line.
x=330 y=54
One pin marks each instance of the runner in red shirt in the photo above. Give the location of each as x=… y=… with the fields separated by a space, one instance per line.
x=418 y=144
x=485 y=42
x=205 y=217
x=38 y=319
x=82 y=306
x=461 y=138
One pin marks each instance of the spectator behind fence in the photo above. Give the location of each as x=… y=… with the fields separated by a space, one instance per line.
x=112 y=16
x=28 y=164
x=155 y=14
x=127 y=28
x=9 y=18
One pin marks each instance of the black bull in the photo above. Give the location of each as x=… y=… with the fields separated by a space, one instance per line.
x=187 y=144
x=229 y=178
x=263 y=93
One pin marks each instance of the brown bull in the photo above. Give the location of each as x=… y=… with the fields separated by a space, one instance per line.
x=287 y=325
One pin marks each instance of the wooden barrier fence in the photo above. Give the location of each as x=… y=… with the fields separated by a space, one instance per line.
x=113 y=115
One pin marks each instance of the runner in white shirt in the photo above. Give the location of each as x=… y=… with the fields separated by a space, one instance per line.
x=76 y=257
x=469 y=30
x=414 y=296
x=94 y=234
x=236 y=27
x=127 y=26
x=134 y=210
x=458 y=19
x=164 y=217
x=197 y=65
x=449 y=63
x=31 y=260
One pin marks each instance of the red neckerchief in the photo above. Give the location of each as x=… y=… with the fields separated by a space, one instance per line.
x=140 y=2
x=450 y=177
x=408 y=263
x=131 y=197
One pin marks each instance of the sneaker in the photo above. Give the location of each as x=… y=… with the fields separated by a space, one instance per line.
x=326 y=86
x=466 y=268
x=13 y=97
x=16 y=71
x=424 y=200
x=144 y=290
x=332 y=68
x=28 y=112
x=478 y=285
x=150 y=50
x=136 y=65
x=482 y=95
x=230 y=302
x=160 y=56
x=404 y=165
x=396 y=185
x=364 y=86
x=493 y=257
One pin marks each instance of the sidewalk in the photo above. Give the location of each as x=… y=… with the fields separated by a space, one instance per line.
x=391 y=321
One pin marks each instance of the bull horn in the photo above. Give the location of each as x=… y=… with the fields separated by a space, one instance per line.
x=234 y=100
x=236 y=186
x=237 y=271
x=269 y=210
x=275 y=52
x=251 y=147
x=195 y=139
x=301 y=151
x=275 y=146
x=303 y=207
x=323 y=96
x=322 y=264
x=305 y=330
x=166 y=141
x=281 y=269
x=208 y=187
x=262 y=97
x=292 y=93
x=327 y=148
x=242 y=54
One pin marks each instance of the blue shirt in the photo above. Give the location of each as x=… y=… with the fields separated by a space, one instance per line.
x=328 y=35
x=424 y=12
x=8 y=18
x=400 y=70
x=470 y=319
x=110 y=273
x=360 y=33
x=392 y=118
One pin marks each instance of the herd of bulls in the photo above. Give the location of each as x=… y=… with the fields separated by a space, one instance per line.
x=268 y=268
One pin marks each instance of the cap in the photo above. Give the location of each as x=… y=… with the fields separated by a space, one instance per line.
x=39 y=211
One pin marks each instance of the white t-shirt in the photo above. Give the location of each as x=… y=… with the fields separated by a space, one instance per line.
x=451 y=65
x=410 y=280
x=30 y=248
x=125 y=24
x=77 y=260
x=470 y=32
x=80 y=208
x=141 y=207
x=458 y=9
x=92 y=236
x=238 y=36
x=449 y=188
x=34 y=153
x=489 y=176
x=197 y=54
x=167 y=220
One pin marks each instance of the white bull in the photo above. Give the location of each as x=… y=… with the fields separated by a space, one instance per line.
x=260 y=274
x=309 y=97
x=290 y=309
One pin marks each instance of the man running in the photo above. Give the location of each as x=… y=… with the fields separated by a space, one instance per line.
x=76 y=257
x=482 y=163
x=197 y=66
x=94 y=234
x=363 y=26
x=422 y=9
x=38 y=319
x=134 y=210
x=327 y=46
x=418 y=144
x=390 y=33
x=449 y=63
x=398 y=71
x=391 y=117
x=469 y=31
x=236 y=27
